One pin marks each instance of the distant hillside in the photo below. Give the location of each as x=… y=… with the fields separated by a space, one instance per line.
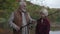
x=34 y=11
x=31 y=8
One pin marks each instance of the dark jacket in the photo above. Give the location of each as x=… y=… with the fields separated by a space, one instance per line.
x=43 y=28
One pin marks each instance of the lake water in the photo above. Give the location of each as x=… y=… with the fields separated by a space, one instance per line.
x=54 y=32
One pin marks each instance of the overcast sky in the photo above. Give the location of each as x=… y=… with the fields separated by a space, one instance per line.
x=50 y=3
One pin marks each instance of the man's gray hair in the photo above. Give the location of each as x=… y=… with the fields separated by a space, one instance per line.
x=22 y=2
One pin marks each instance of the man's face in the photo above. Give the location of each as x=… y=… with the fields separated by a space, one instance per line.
x=23 y=7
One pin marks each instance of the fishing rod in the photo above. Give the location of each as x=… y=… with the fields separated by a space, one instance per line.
x=25 y=25
x=54 y=13
x=32 y=23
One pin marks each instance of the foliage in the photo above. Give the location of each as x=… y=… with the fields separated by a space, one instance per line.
x=8 y=6
x=33 y=10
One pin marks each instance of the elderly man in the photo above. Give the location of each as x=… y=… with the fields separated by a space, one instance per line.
x=20 y=18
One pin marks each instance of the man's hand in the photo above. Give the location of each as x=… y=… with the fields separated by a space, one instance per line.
x=34 y=21
x=17 y=28
x=14 y=26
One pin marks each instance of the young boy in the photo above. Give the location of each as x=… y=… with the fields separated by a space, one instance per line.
x=43 y=24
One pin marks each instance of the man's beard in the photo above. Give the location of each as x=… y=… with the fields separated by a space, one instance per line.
x=23 y=10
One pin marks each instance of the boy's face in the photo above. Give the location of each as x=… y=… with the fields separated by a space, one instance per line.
x=42 y=15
